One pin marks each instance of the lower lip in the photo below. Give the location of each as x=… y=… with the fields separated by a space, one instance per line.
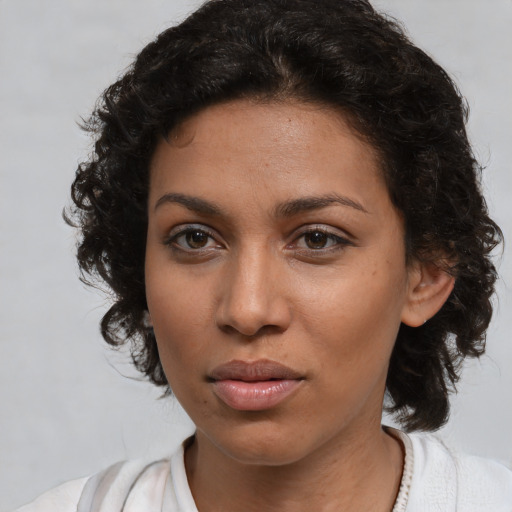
x=254 y=396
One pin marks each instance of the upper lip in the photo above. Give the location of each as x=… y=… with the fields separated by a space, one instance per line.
x=253 y=371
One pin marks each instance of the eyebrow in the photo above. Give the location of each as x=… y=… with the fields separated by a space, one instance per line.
x=192 y=203
x=284 y=209
x=304 y=204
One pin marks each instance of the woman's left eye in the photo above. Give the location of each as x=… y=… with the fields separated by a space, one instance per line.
x=318 y=239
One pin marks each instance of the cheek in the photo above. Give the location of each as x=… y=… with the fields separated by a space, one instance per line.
x=355 y=319
x=178 y=316
x=180 y=342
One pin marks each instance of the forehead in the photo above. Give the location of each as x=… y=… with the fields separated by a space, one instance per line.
x=274 y=149
x=289 y=123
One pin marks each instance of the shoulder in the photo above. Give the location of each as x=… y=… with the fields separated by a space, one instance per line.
x=446 y=480
x=107 y=490
x=128 y=486
x=484 y=482
x=63 y=498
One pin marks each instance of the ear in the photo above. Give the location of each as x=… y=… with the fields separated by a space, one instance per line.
x=429 y=287
x=147 y=320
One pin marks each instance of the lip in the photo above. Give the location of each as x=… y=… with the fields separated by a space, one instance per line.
x=255 y=385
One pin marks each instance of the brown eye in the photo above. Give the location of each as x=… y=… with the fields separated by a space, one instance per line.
x=316 y=239
x=192 y=239
x=319 y=241
x=196 y=239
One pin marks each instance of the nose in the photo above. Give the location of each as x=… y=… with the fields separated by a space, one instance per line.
x=253 y=300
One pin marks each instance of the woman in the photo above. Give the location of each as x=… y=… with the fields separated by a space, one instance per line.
x=285 y=204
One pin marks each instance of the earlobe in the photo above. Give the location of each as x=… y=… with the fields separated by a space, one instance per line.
x=429 y=288
x=146 y=320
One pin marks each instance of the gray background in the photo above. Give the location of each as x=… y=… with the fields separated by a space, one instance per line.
x=67 y=409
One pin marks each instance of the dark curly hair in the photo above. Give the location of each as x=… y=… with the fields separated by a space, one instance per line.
x=340 y=53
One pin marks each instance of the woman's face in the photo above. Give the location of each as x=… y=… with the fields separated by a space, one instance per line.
x=276 y=277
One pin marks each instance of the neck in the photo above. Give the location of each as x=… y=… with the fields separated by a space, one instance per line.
x=358 y=472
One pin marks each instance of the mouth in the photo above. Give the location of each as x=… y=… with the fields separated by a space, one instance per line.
x=254 y=386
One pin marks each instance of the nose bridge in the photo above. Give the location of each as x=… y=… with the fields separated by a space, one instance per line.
x=251 y=296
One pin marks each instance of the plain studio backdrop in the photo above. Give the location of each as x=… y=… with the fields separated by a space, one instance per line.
x=67 y=408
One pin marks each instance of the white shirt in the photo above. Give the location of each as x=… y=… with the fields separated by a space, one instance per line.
x=434 y=479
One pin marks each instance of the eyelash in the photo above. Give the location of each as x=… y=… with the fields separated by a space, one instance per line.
x=337 y=242
x=334 y=242
x=176 y=234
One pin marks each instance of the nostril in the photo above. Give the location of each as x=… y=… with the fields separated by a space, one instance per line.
x=249 y=308
x=264 y=330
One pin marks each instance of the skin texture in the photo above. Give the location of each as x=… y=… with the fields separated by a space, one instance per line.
x=253 y=285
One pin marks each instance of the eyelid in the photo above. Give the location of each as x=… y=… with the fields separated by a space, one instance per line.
x=342 y=238
x=324 y=228
x=187 y=226
x=182 y=229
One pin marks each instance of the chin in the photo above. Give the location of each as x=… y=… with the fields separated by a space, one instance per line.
x=263 y=444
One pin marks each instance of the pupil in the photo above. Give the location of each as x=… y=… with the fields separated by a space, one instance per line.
x=316 y=240
x=196 y=239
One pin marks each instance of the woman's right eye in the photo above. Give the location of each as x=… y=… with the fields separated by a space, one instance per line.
x=192 y=239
